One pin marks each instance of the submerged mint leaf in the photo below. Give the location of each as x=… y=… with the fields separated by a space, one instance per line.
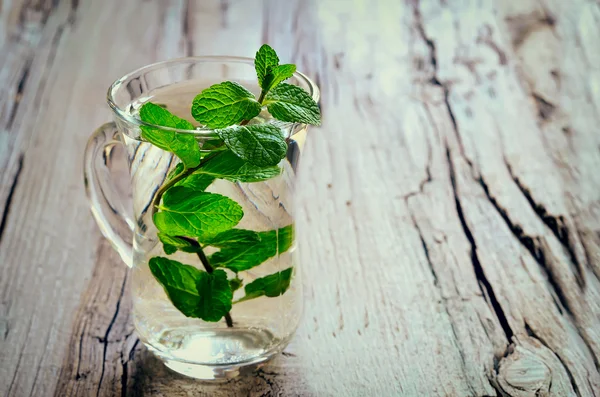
x=243 y=255
x=271 y=286
x=196 y=181
x=191 y=212
x=173 y=243
x=285 y=238
x=224 y=104
x=291 y=103
x=235 y=284
x=179 y=282
x=226 y=165
x=215 y=295
x=265 y=58
x=233 y=238
x=259 y=144
x=183 y=146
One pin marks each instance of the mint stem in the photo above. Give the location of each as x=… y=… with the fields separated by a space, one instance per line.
x=261 y=97
x=209 y=269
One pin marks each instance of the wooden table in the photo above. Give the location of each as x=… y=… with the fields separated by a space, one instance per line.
x=450 y=201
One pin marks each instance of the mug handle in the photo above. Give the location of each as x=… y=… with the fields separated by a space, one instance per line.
x=107 y=207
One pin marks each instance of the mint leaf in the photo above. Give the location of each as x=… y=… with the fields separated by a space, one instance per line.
x=226 y=165
x=259 y=144
x=243 y=255
x=196 y=181
x=224 y=104
x=183 y=146
x=286 y=238
x=175 y=171
x=270 y=286
x=233 y=238
x=173 y=243
x=193 y=292
x=266 y=58
x=215 y=295
x=277 y=74
x=190 y=212
x=291 y=103
x=235 y=284
x=179 y=282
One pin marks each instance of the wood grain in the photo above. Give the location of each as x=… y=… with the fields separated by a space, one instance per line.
x=450 y=204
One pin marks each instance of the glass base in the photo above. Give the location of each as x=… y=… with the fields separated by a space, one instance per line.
x=219 y=354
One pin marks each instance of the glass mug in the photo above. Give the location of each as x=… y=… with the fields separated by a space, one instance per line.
x=261 y=327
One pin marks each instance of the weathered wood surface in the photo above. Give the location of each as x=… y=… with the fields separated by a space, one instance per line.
x=451 y=200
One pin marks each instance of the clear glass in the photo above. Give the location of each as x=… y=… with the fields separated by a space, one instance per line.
x=262 y=327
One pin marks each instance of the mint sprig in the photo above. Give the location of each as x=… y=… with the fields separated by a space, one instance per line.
x=190 y=219
x=266 y=59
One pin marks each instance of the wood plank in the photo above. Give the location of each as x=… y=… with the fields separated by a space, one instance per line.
x=504 y=178
x=47 y=248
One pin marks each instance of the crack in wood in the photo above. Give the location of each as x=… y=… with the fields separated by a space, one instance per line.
x=125 y=365
x=14 y=377
x=555 y=223
x=19 y=93
x=424 y=245
x=274 y=390
x=531 y=333
x=521 y=26
x=9 y=198
x=186 y=32
x=443 y=299
x=479 y=273
x=108 y=329
x=545 y=108
x=483 y=282
x=533 y=246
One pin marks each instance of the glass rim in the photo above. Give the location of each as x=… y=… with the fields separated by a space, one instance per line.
x=202 y=131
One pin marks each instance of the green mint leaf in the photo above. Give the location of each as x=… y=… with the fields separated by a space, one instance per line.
x=266 y=58
x=226 y=165
x=224 y=104
x=259 y=144
x=235 y=284
x=179 y=282
x=233 y=238
x=270 y=286
x=244 y=255
x=196 y=181
x=175 y=171
x=286 y=238
x=183 y=146
x=277 y=74
x=210 y=145
x=190 y=212
x=215 y=295
x=291 y=103
x=173 y=243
